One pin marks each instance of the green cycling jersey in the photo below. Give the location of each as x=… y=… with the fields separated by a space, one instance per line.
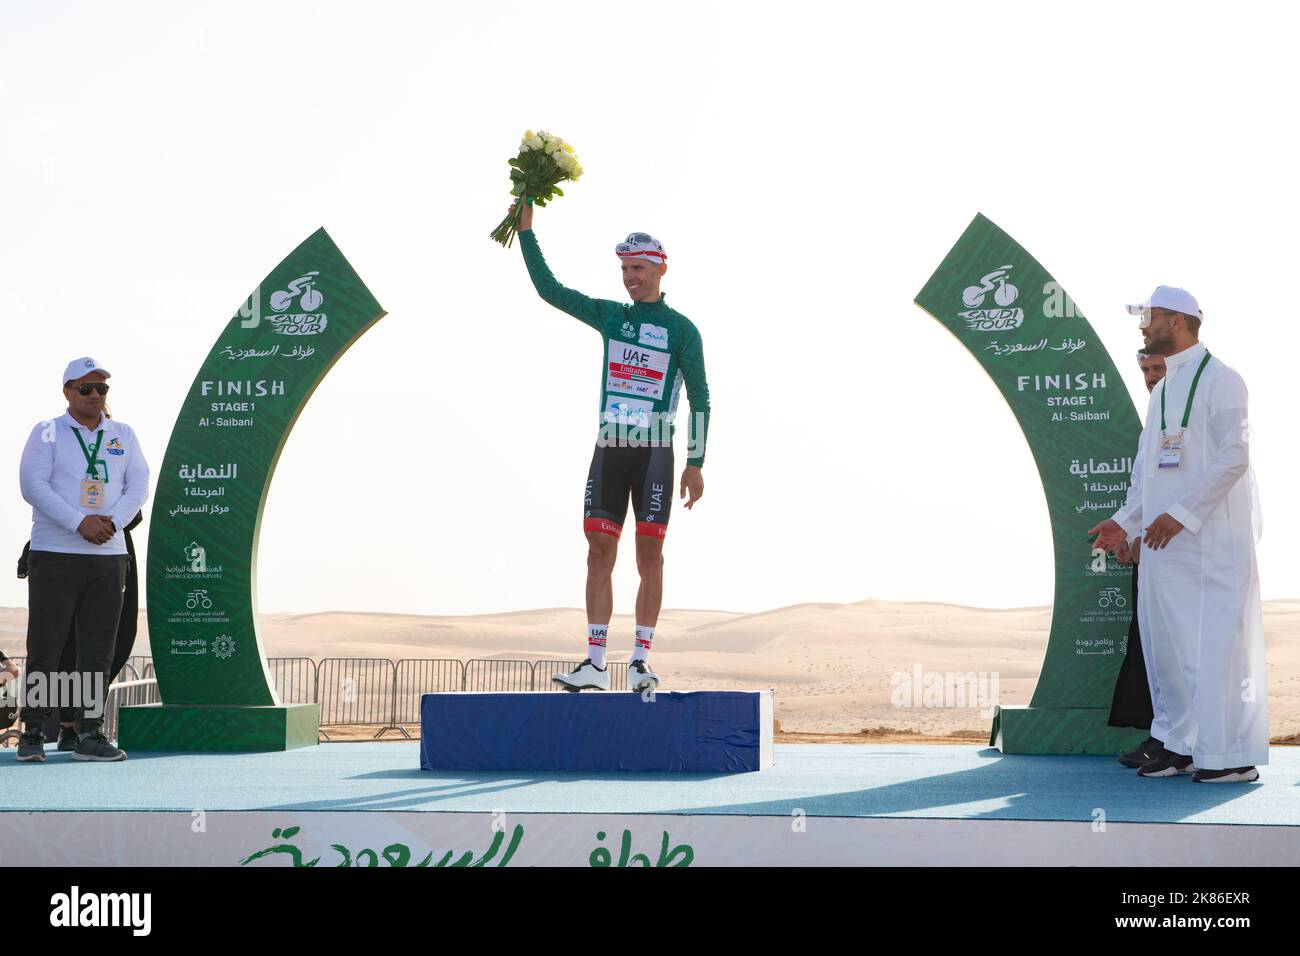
x=649 y=352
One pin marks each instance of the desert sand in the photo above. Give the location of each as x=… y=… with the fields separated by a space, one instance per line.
x=830 y=665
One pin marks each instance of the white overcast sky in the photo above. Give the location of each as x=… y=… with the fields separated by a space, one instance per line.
x=807 y=166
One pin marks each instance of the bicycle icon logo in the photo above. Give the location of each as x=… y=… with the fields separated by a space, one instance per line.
x=1004 y=293
x=302 y=288
x=1109 y=596
x=197 y=599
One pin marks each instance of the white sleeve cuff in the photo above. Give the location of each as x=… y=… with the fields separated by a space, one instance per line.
x=1130 y=520
x=1185 y=518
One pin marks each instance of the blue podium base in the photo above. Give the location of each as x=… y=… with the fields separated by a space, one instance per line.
x=703 y=731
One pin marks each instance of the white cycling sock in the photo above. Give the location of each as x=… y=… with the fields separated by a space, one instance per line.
x=597 y=634
x=644 y=637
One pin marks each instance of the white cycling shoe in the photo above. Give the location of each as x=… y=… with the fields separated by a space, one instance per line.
x=640 y=676
x=586 y=676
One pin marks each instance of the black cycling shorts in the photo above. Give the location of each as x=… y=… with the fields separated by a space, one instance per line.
x=646 y=473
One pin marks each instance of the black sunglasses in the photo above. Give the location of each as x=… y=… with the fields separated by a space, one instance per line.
x=86 y=389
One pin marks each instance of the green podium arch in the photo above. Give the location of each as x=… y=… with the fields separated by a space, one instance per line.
x=1081 y=426
x=201 y=576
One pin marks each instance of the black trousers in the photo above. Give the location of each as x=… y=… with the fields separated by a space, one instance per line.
x=1131 y=704
x=71 y=597
x=126 y=631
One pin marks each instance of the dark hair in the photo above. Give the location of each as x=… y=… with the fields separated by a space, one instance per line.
x=1193 y=323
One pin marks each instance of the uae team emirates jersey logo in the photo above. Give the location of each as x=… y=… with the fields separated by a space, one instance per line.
x=634 y=370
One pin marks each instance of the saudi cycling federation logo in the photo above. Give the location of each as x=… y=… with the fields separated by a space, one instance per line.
x=989 y=304
x=299 y=306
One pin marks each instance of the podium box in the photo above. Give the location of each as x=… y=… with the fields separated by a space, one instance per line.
x=595 y=731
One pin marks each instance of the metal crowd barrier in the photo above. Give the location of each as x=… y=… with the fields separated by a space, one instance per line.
x=355 y=690
x=371 y=691
x=134 y=667
x=294 y=679
x=127 y=693
x=498 y=675
x=416 y=676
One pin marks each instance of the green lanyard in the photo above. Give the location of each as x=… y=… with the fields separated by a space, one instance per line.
x=92 y=455
x=1187 y=412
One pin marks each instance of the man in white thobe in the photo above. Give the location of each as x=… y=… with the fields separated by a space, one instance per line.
x=1192 y=500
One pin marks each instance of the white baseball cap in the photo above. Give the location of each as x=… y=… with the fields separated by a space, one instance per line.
x=82 y=366
x=1171 y=298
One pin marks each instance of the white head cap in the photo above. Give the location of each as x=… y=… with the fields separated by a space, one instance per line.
x=1171 y=298
x=82 y=366
x=641 y=245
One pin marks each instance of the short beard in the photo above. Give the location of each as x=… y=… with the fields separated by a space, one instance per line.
x=1161 y=346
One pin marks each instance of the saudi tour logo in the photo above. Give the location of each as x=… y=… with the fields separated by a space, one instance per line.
x=298 y=306
x=302 y=294
x=1002 y=319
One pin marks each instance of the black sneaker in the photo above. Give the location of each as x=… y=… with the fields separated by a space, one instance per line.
x=31 y=748
x=95 y=746
x=1166 y=764
x=1144 y=754
x=1233 y=775
x=67 y=739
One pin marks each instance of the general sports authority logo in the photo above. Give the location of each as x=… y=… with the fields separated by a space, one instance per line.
x=1003 y=319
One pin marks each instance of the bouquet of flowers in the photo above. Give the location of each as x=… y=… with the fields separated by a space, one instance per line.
x=544 y=161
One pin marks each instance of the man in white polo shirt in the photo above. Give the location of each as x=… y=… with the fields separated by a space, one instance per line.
x=85 y=477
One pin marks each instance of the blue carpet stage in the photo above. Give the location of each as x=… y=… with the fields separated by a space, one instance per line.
x=370 y=803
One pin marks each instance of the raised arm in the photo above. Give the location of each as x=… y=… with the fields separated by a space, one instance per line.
x=583 y=308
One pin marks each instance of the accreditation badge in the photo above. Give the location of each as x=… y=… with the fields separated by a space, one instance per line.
x=92 y=493
x=1171 y=449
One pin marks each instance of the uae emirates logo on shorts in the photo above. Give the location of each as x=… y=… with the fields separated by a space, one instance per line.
x=305 y=300
x=997 y=315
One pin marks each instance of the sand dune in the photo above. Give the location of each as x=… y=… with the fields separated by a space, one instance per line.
x=829 y=664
